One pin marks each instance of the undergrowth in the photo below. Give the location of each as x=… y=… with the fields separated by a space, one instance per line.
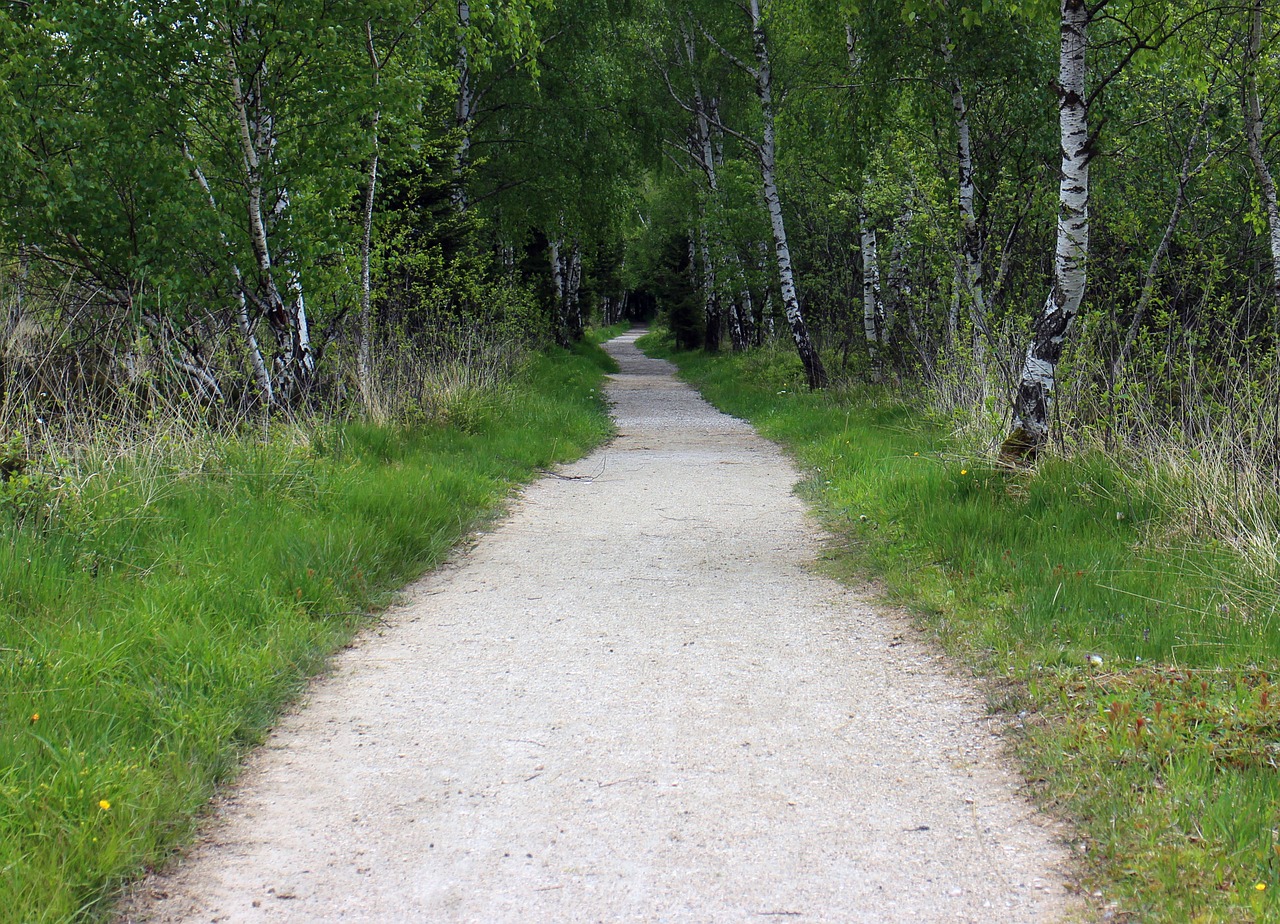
x=1136 y=659
x=158 y=611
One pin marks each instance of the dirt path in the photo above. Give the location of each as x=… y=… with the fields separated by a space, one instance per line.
x=631 y=702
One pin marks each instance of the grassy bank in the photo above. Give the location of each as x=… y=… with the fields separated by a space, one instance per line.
x=1137 y=661
x=157 y=614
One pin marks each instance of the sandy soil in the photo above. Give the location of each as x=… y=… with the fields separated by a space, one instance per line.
x=631 y=701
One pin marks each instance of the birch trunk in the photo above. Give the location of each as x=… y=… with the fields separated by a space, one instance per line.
x=871 y=322
x=970 y=239
x=573 y=288
x=558 y=291
x=742 y=311
x=294 y=364
x=706 y=157
x=710 y=292
x=1253 y=136
x=261 y=374
x=364 y=351
x=767 y=152
x=1034 y=397
x=464 y=107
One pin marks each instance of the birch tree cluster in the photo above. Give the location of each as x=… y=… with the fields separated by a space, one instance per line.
x=249 y=204
x=1057 y=217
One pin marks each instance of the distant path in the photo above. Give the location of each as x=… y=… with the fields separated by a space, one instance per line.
x=631 y=701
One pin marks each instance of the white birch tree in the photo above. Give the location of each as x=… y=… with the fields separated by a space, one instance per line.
x=1033 y=399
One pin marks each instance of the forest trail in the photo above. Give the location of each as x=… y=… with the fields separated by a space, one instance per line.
x=631 y=701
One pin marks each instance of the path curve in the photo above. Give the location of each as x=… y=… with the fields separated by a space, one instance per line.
x=631 y=701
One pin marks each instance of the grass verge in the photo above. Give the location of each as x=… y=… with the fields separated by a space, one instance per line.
x=1137 y=663
x=155 y=618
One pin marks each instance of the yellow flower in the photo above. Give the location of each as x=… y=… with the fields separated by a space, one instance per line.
x=915 y=453
x=35 y=717
x=104 y=805
x=1261 y=887
x=964 y=471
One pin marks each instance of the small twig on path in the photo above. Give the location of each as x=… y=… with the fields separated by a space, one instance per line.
x=603 y=466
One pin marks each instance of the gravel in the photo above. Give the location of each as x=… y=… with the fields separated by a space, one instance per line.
x=632 y=700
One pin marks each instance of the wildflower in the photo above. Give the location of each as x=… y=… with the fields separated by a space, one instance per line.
x=35 y=717
x=104 y=805
x=1261 y=887
x=915 y=453
x=964 y=471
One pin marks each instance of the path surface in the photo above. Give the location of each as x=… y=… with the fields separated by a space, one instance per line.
x=631 y=701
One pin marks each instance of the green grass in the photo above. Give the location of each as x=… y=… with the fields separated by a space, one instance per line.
x=153 y=621
x=1165 y=754
x=602 y=334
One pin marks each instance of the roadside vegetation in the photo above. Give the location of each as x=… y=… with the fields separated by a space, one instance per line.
x=1131 y=641
x=167 y=591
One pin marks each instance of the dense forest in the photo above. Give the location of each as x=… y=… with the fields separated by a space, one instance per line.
x=1061 y=220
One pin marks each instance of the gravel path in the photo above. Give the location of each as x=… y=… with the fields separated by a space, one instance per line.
x=631 y=701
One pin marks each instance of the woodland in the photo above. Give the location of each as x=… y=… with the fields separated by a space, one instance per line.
x=249 y=234
x=1061 y=222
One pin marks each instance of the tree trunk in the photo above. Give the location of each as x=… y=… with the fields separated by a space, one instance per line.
x=294 y=364
x=1253 y=136
x=706 y=157
x=364 y=351
x=558 y=292
x=767 y=151
x=970 y=239
x=710 y=292
x=1034 y=397
x=464 y=108
x=742 y=311
x=261 y=374
x=871 y=314
x=573 y=289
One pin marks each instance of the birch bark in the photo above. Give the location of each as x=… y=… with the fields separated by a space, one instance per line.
x=261 y=374
x=364 y=357
x=558 y=291
x=871 y=312
x=1034 y=397
x=573 y=288
x=970 y=239
x=767 y=152
x=710 y=291
x=1253 y=137
x=706 y=158
x=464 y=107
x=294 y=364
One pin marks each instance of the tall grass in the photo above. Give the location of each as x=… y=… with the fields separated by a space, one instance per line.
x=1138 y=656
x=163 y=593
